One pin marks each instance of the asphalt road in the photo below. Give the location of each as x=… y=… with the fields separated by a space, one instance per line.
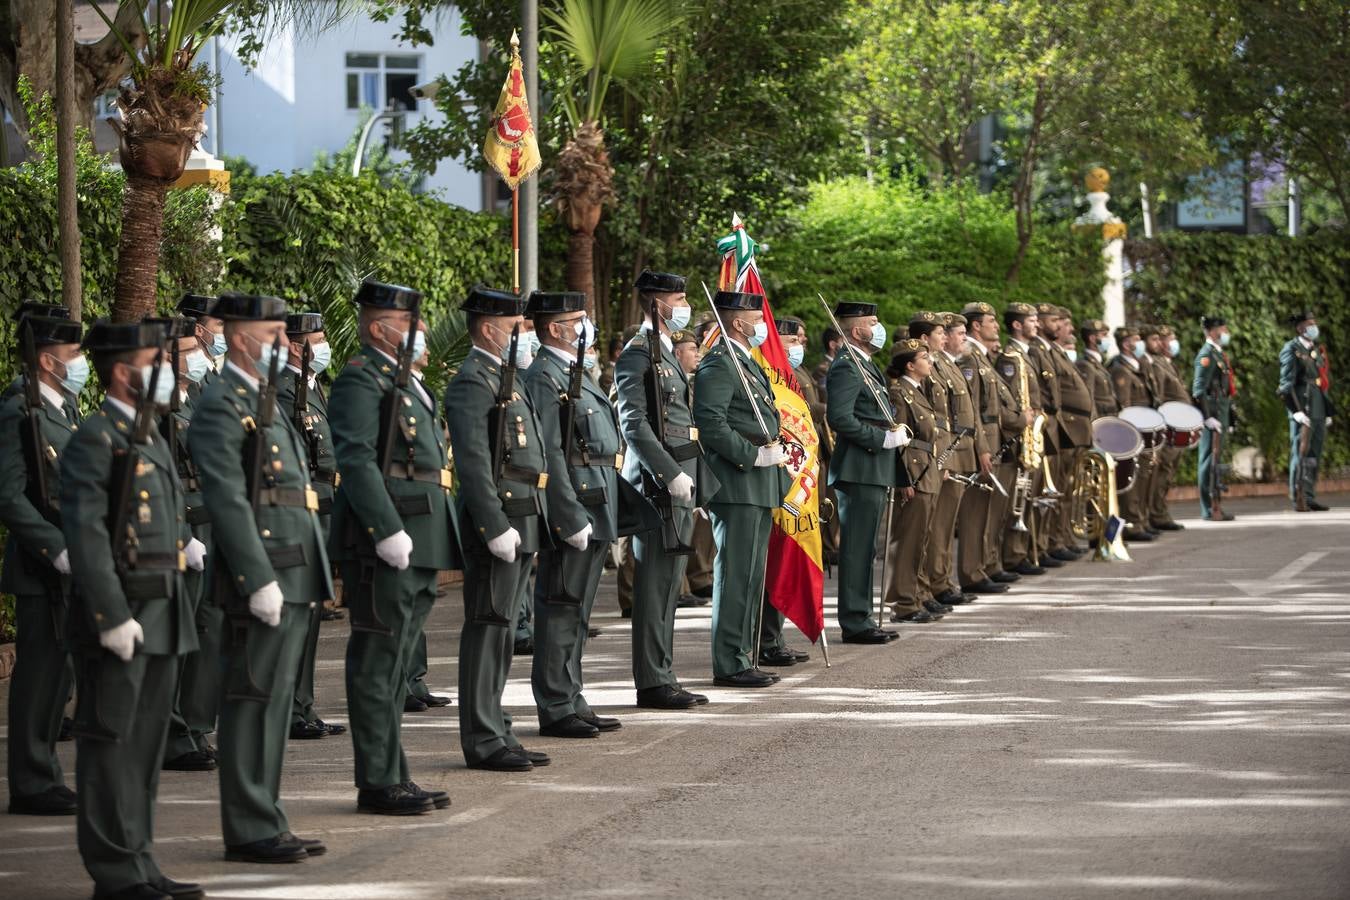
x=1178 y=726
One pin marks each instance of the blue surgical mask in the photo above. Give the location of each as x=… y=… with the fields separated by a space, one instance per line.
x=679 y=318
x=218 y=345
x=531 y=338
x=1311 y=332
x=77 y=373
x=1107 y=346
x=796 y=354
x=197 y=366
x=1225 y=339
x=401 y=338
x=759 y=335
x=321 y=355
x=1173 y=347
x=1139 y=350
x=164 y=386
x=588 y=361
x=267 y=353
x=587 y=327
x=878 y=335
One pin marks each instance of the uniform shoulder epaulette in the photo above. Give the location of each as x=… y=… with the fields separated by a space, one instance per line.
x=638 y=340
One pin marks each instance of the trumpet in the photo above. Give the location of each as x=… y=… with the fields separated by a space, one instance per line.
x=1021 y=490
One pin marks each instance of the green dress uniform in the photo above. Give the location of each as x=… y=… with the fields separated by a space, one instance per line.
x=583 y=490
x=1213 y=388
x=1304 y=389
x=282 y=543
x=742 y=508
x=42 y=677
x=122 y=714
x=488 y=507
x=862 y=471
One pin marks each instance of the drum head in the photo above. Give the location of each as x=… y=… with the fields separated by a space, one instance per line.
x=1117 y=437
x=1144 y=418
x=1181 y=416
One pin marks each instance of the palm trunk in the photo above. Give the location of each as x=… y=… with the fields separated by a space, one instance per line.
x=583 y=184
x=581 y=265
x=138 y=249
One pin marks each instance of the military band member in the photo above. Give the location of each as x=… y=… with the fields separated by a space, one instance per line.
x=583 y=503
x=666 y=471
x=1011 y=422
x=271 y=566
x=1091 y=365
x=909 y=369
x=131 y=617
x=1168 y=387
x=499 y=460
x=1021 y=373
x=975 y=562
x=864 y=465
x=1305 y=388
x=941 y=390
x=1213 y=388
x=1074 y=419
x=37 y=562
x=740 y=435
x=1129 y=381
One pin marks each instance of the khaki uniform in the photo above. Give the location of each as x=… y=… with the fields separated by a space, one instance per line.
x=1131 y=389
x=972 y=520
x=1168 y=387
x=910 y=525
x=1076 y=409
x=1012 y=364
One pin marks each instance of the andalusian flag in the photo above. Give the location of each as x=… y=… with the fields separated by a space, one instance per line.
x=511 y=148
x=795 y=577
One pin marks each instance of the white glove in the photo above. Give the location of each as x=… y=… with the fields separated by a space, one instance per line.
x=265 y=604
x=1213 y=424
x=62 y=562
x=1302 y=419
x=121 y=640
x=395 y=550
x=1328 y=421
x=896 y=438
x=196 y=555
x=682 y=487
x=505 y=545
x=770 y=455
x=581 y=539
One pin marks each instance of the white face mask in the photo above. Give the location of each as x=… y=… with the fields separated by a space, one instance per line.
x=588 y=361
x=197 y=366
x=878 y=335
x=1071 y=353
x=1311 y=332
x=401 y=338
x=1225 y=339
x=1139 y=349
x=1173 y=347
x=795 y=354
x=321 y=355
x=759 y=335
x=531 y=339
x=77 y=373
x=218 y=344
x=523 y=356
x=163 y=386
x=679 y=317
x=1107 y=346
x=267 y=352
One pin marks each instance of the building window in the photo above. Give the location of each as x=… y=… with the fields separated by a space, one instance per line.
x=381 y=80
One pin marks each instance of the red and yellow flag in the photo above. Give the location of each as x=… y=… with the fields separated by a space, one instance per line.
x=794 y=579
x=511 y=148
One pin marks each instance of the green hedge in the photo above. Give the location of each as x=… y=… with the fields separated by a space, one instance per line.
x=1256 y=282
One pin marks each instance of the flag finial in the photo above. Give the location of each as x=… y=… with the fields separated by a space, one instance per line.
x=736 y=220
x=515 y=40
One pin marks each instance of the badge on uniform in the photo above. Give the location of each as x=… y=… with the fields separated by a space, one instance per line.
x=969 y=373
x=1007 y=369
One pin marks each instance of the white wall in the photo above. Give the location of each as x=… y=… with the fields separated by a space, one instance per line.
x=294 y=103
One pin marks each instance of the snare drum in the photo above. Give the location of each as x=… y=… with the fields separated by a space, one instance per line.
x=1184 y=423
x=1124 y=442
x=1152 y=427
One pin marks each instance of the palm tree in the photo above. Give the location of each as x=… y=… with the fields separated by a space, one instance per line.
x=604 y=43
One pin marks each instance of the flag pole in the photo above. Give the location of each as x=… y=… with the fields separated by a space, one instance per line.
x=825 y=647
x=515 y=240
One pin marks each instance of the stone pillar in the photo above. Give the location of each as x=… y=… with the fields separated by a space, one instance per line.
x=1113 y=244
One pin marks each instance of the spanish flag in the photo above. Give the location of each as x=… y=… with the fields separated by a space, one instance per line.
x=795 y=576
x=511 y=148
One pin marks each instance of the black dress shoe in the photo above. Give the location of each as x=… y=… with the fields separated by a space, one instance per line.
x=1153 y=531
x=307 y=731
x=330 y=614
x=1064 y=555
x=935 y=609
x=699 y=699
x=440 y=799
x=1005 y=577
x=626 y=613
x=592 y=631
x=311 y=846
x=134 y=892
x=705 y=592
x=55 y=801
x=1317 y=507
x=918 y=617
x=984 y=587
x=602 y=723
x=537 y=758
x=798 y=655
x=687 y=601
x=192 y=761
x=1167 y=526
x=412 y=704
x=954 y=598
x=665 y=696
x=435 y=700
x=523 y=647
x=67 y=732
x=394 y=800
x=777 y=656
x=1219 y=516
x=331 y=728
x=1138 y=535
x=179 y=890
x=1049 y=562
x=272 y=850
x=871 y=636
x=747 y=678
x=569 y=727
x=1027 y=567
x=504 y=760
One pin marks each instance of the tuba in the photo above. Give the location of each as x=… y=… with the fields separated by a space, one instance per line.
x=1093 y=512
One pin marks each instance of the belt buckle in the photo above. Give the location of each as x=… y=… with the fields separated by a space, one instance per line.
x=337 y=479
x=543 y=481
x=693 y=433
x=447 y=479
x=182 y=561
x=311 y=499
x=618 y=460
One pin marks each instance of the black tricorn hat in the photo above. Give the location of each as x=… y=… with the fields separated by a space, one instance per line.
x=119 y=337
x=304 y=323
x=846 y=309
x=553 y=302
x=196 y=304
x=738 y=300
x=48 y=330
x=41 y=309
x=790 y=325
x=175 y=327
x=650 y=282
x=1208 y=322
x=387 y=296
x=1303 y=315
x=234 y=307
x=486 y=301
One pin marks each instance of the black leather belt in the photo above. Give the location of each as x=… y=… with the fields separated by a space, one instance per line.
x=592 y=497
x=690 y=450
x=988 y=420
x=152 y=585
x=605 y=461
x=444 y=478
x=525 y=476
x=325 y=506
x=921 y=446
x=1076 y=411
x=521 y=507
x=321 y=477
x=300 y=498
x=680 y=431
x=197 y=515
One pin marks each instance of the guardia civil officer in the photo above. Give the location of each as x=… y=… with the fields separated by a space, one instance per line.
x=131 y=616
x=37 y=563
x=209 y=331
x=499 y=457
x=1305 y=388
x=1213 y=388
x=271 y=569
x=31 y=308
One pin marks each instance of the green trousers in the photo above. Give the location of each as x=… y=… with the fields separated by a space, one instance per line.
x=253 y=733
x=1205 y=474
x=770 y=627
x=118 y=778
x=197 y=700
x=302 y=704
x=560 y=628
x=657 y=578
x=742 y=536
x=376 y=663
x=861 y=507
x=416 y=675
x=485 y=651
x=38 y=690
x=1319 y=436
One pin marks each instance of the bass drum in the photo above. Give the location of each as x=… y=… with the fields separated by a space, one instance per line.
x=1152 y=427
x=1124 y=442
x=1184 y=423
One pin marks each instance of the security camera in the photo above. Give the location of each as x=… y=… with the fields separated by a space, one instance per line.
x=427 y=90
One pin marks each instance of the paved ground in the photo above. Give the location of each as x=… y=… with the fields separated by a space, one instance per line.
x=1178 y=726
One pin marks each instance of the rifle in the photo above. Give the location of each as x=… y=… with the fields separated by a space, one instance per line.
x=168 y=426
x=300 y=415
x=657 y=493
x=505 y=390
x=390 y=405
x=38 y=452
x=120 y=527
x=567 y=408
